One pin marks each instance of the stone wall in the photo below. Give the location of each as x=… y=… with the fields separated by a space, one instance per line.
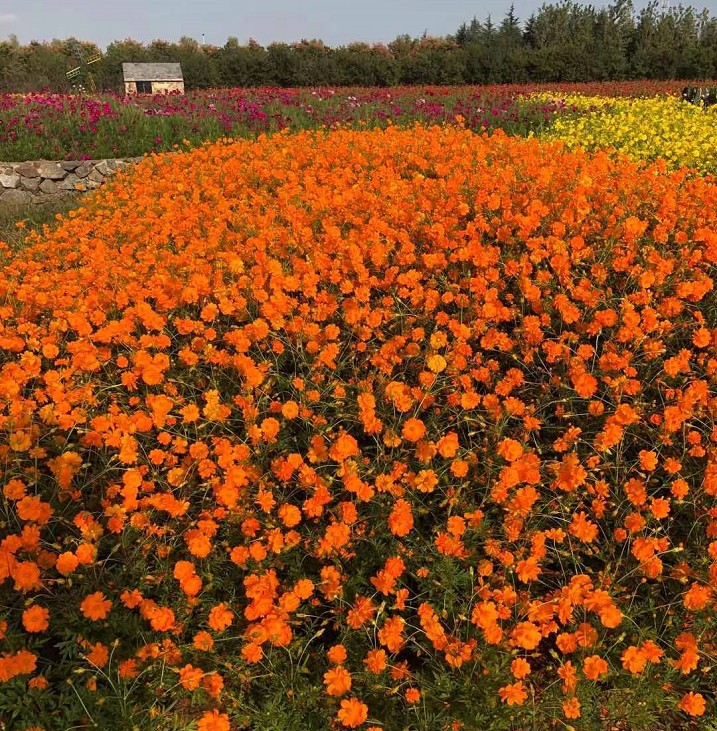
x=35 y=182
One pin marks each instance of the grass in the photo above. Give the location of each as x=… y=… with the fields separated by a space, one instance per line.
x=17 y=220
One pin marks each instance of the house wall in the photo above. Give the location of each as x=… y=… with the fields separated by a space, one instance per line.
x=158 y=87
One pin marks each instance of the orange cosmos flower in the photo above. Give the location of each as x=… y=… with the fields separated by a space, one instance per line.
x=513 y=695
x=570 y=473
x=693 y=704
x=702 y=338
x=391 y=633
x=337 y=681
x=648 y=460
x=352 y=712
x=21 y=663
x=220 y=617
x=270 y=428
x=594 y=667
x=95 y=606
x=344 y=448
x=568 y=674
x=425 y=481
x=651 y=651
x=289 y=515
x=214 y=721
x=34 y=509
x=39 y=682
x=190 y=413
x=128 y=669
x=413 y=695
x=203 y=641
x=190 y=677
x=510 y=450
x=213 y=683
x=634 y=660
x=610 y=616
x=161 y=619
x=527 y=569
x=566 y=642
x=26 y=575
x=413 y=430
x=252 y=652
x=660 y=508
x=697 y=597
x=526 y=635
x=400 y=521
x=330 y=585
x=448 y=445
x=584 y=384
x=191 y=586
x=14 y=490
x=571 y=707
x=131 y=599
x=304 y=588
x=376 y=661
x=98 y=655
x=183 y=570
x=520 y=668
x=85 y=553
x=582 y=528
x=36 y=619
x=337 y=654
x=436 y=363
x=198 y=543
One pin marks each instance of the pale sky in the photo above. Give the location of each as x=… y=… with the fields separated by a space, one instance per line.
x=336 y=22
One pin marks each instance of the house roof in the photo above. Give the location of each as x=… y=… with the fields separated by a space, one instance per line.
x=152 y=71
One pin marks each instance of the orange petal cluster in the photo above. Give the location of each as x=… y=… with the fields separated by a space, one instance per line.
x=440 y=399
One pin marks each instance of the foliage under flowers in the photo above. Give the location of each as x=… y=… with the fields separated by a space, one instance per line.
x=401 y=428
x=684 y=134
x=56 y=126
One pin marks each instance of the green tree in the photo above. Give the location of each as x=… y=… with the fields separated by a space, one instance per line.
x=654 y=51
x=198 y=70
x=281 y=65
x=245 y=66
x=117 y=53
x=510 y=57
x=360 y=64
x=314 y=63
x=430 y=60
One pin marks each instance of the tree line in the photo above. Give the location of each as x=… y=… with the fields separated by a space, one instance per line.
x=561 y=42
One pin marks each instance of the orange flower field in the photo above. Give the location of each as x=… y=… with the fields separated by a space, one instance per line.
x=393 y=429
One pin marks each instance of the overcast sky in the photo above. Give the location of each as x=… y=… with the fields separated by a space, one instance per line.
x=336 y=22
